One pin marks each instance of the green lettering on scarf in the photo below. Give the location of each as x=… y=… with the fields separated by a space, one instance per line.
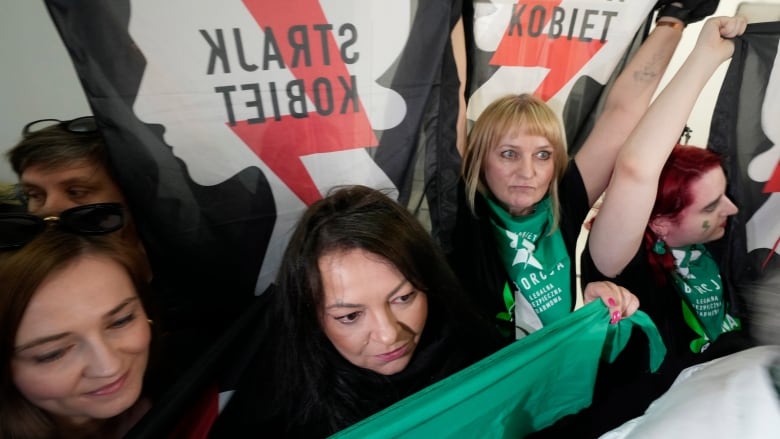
x=697 y=280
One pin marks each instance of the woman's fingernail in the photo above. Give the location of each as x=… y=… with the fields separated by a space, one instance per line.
x=615 y=317
x=611 y=302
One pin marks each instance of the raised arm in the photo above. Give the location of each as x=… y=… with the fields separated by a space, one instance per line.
x=626 y=102
x=617 y=231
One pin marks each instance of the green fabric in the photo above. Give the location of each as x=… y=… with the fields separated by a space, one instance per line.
x=520 y=389
x=537 y=261
x=697 y=344
x=697 y=280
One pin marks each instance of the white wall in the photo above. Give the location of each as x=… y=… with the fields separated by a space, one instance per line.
x=38 y=81
x=699 y=122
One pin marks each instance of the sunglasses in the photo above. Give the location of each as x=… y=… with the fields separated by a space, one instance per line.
x=18 y=229
x=85 y=124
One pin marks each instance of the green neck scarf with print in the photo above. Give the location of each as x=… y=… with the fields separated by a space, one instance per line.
x=697 y=280
x=536 y=260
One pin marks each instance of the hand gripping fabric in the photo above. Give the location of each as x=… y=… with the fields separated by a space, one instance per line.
x=523 y=388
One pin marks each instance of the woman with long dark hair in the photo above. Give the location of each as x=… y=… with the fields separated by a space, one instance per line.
x=366 y=312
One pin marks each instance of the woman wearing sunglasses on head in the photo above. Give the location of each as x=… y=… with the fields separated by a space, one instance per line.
x=62 y=164
x=75 y=336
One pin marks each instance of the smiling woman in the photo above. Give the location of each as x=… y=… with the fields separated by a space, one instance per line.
x=366 y=313
x=75 y=337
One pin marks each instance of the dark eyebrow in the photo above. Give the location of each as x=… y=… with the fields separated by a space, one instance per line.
x=117 y=309
x=40 y=341
x=83 y=180
x=397 y=287
x=713 y=204
x=54 y=337
x=352 y=305
x=343 y=305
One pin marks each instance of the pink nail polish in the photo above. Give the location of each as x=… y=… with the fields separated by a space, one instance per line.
x=615 y=317
x=611 y=302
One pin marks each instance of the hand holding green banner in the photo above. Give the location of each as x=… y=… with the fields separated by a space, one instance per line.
x=523 y=388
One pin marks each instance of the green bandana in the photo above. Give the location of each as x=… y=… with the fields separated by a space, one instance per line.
x=697 y=279
x=537 y=263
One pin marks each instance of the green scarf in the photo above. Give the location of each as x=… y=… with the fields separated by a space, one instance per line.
x=697 y=280
x=538 y=264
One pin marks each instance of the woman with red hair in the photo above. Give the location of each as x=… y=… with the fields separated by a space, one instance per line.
x=664 y=202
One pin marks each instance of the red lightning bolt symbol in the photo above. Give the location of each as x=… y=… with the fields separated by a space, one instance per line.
x=564 y=57
x=280 y=144
x=773 y=185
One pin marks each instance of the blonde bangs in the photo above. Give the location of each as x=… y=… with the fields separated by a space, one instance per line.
x=511 y=115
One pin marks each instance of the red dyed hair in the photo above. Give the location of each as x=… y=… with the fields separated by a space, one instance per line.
x=685 y=165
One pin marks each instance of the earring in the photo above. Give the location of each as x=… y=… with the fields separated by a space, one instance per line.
x=659 y=247
x=151 y=322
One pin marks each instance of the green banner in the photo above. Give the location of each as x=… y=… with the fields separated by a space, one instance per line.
x=520 y=389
